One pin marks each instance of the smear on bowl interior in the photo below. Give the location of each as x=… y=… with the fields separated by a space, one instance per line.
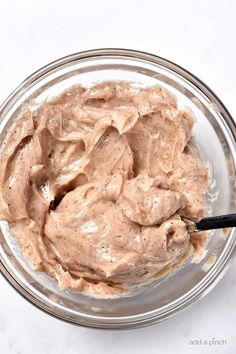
x=94 y=185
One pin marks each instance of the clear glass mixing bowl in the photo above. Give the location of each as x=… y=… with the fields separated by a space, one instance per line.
x=215 y=133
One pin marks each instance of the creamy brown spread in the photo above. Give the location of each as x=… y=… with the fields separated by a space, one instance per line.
x=94 y=185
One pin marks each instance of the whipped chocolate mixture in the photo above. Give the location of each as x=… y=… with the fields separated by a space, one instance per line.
x=94 y=185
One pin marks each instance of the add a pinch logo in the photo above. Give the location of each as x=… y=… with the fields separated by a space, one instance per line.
x=209 y=342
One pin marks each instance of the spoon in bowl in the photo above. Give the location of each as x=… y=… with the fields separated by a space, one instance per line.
x=211 y=223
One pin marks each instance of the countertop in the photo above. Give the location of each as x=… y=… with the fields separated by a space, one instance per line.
x=200 y=36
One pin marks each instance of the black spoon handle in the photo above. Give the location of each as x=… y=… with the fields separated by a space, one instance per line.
x=217 y=222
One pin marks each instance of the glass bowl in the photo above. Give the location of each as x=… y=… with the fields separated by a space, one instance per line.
x=215 y=134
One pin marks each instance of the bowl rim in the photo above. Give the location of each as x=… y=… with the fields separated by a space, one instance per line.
x=217 y=271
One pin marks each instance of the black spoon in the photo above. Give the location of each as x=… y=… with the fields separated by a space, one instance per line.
x=211 y=223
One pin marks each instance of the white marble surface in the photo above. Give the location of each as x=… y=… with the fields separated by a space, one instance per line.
x=199 y=35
